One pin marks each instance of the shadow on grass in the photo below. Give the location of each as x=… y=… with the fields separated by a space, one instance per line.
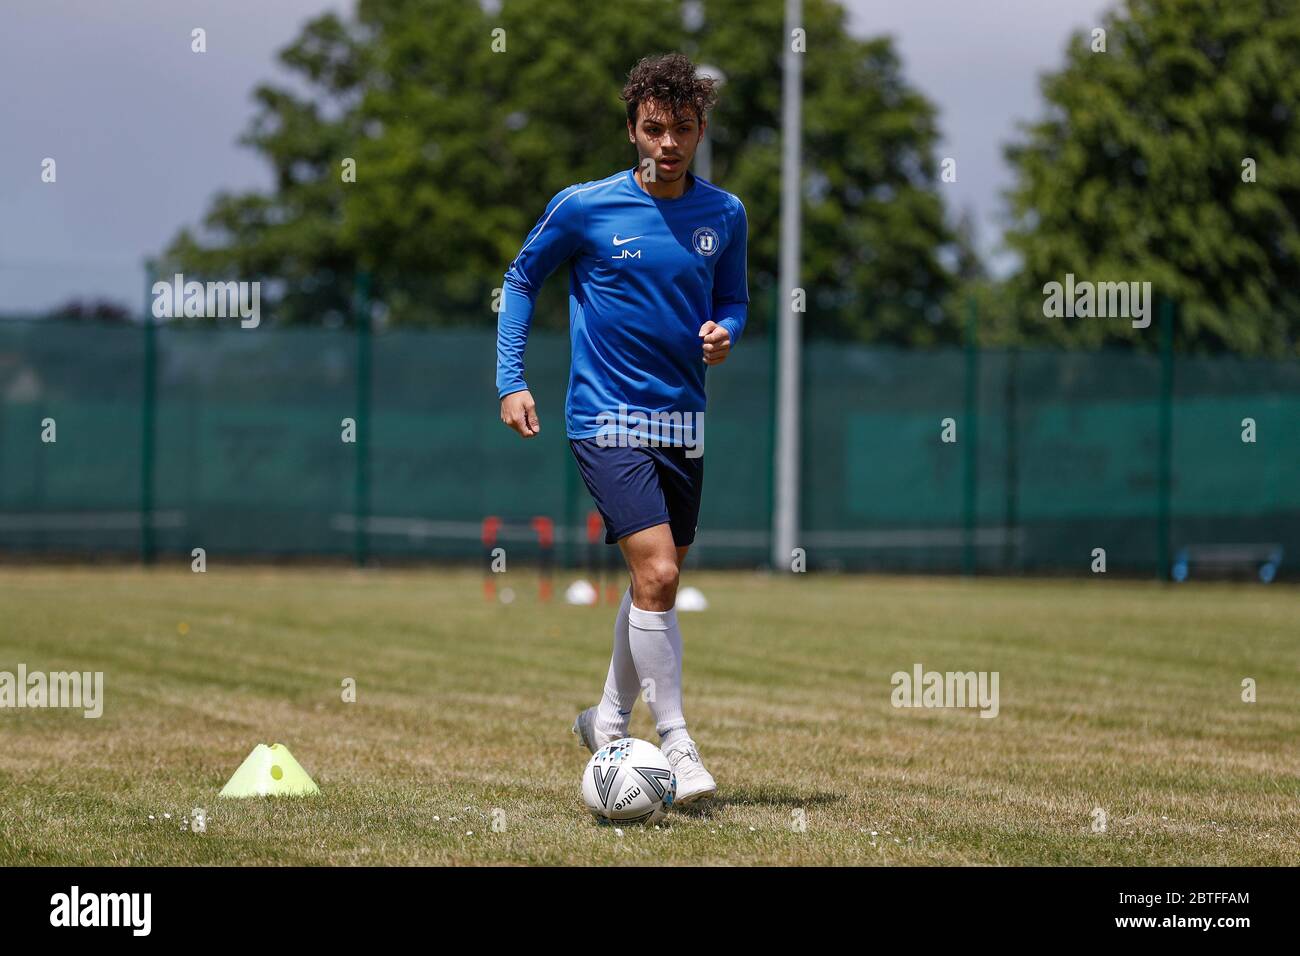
x=759 y=797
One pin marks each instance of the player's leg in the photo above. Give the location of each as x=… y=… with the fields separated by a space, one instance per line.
x=611 y=716
x=609 y=719
x=649 y=499
x=654 y=563
x=625 y=488
x=654 y=557
x=654 y=637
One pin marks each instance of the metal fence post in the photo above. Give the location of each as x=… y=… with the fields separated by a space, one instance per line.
x=1165 y=469
x=148 y=412
x=773 y=366
x=1010 y=548
x=361 y=505
x=970 y=441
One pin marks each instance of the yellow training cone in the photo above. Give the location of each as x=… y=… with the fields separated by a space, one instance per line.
x=270 y=772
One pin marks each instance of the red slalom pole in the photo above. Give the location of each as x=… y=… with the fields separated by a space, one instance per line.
x=595 y=566
x=545 y=529
x=491 y=525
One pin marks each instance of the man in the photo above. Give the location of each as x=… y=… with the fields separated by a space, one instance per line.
x=658 y=293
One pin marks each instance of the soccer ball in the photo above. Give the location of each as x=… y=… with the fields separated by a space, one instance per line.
x=629 y=781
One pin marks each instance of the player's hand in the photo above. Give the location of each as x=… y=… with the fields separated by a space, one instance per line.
x=717 y=342
x=520 y=412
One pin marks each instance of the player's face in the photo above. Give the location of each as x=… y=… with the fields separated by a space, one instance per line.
x=667 y=140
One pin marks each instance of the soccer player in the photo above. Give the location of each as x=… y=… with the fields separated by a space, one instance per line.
x=657 y=294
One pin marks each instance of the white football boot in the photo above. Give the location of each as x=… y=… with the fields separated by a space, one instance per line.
x=693 y=781
x=585 y=727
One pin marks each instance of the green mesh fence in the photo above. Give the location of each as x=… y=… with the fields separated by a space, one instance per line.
x=241 y=431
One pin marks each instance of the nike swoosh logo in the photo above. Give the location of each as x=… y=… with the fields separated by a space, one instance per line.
x=624 y=242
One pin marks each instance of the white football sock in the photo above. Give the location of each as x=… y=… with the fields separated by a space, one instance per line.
x=656 y=643
x=621 y=684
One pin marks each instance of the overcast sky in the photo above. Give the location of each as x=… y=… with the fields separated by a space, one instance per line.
x=144 y=132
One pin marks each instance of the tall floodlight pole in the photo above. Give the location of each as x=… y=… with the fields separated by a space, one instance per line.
x=785 y=512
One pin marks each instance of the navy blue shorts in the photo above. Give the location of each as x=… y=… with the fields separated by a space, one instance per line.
x=638 y=488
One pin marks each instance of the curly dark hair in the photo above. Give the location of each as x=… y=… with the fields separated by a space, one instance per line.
x=670 y=81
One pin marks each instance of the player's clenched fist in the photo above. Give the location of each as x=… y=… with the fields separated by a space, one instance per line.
x=520 y=413
x=717 y=342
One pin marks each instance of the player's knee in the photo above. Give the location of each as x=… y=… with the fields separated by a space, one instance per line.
x=659 y=579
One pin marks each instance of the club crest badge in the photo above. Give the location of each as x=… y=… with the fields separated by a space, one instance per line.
x=705 y=241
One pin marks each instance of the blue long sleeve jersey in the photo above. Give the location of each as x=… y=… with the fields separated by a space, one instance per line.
x=646 y=274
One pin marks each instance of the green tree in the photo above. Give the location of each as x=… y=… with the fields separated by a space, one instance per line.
x=458 y=147
x=1136 y=173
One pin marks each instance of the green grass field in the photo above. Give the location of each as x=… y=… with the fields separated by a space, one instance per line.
x=1123 y=696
